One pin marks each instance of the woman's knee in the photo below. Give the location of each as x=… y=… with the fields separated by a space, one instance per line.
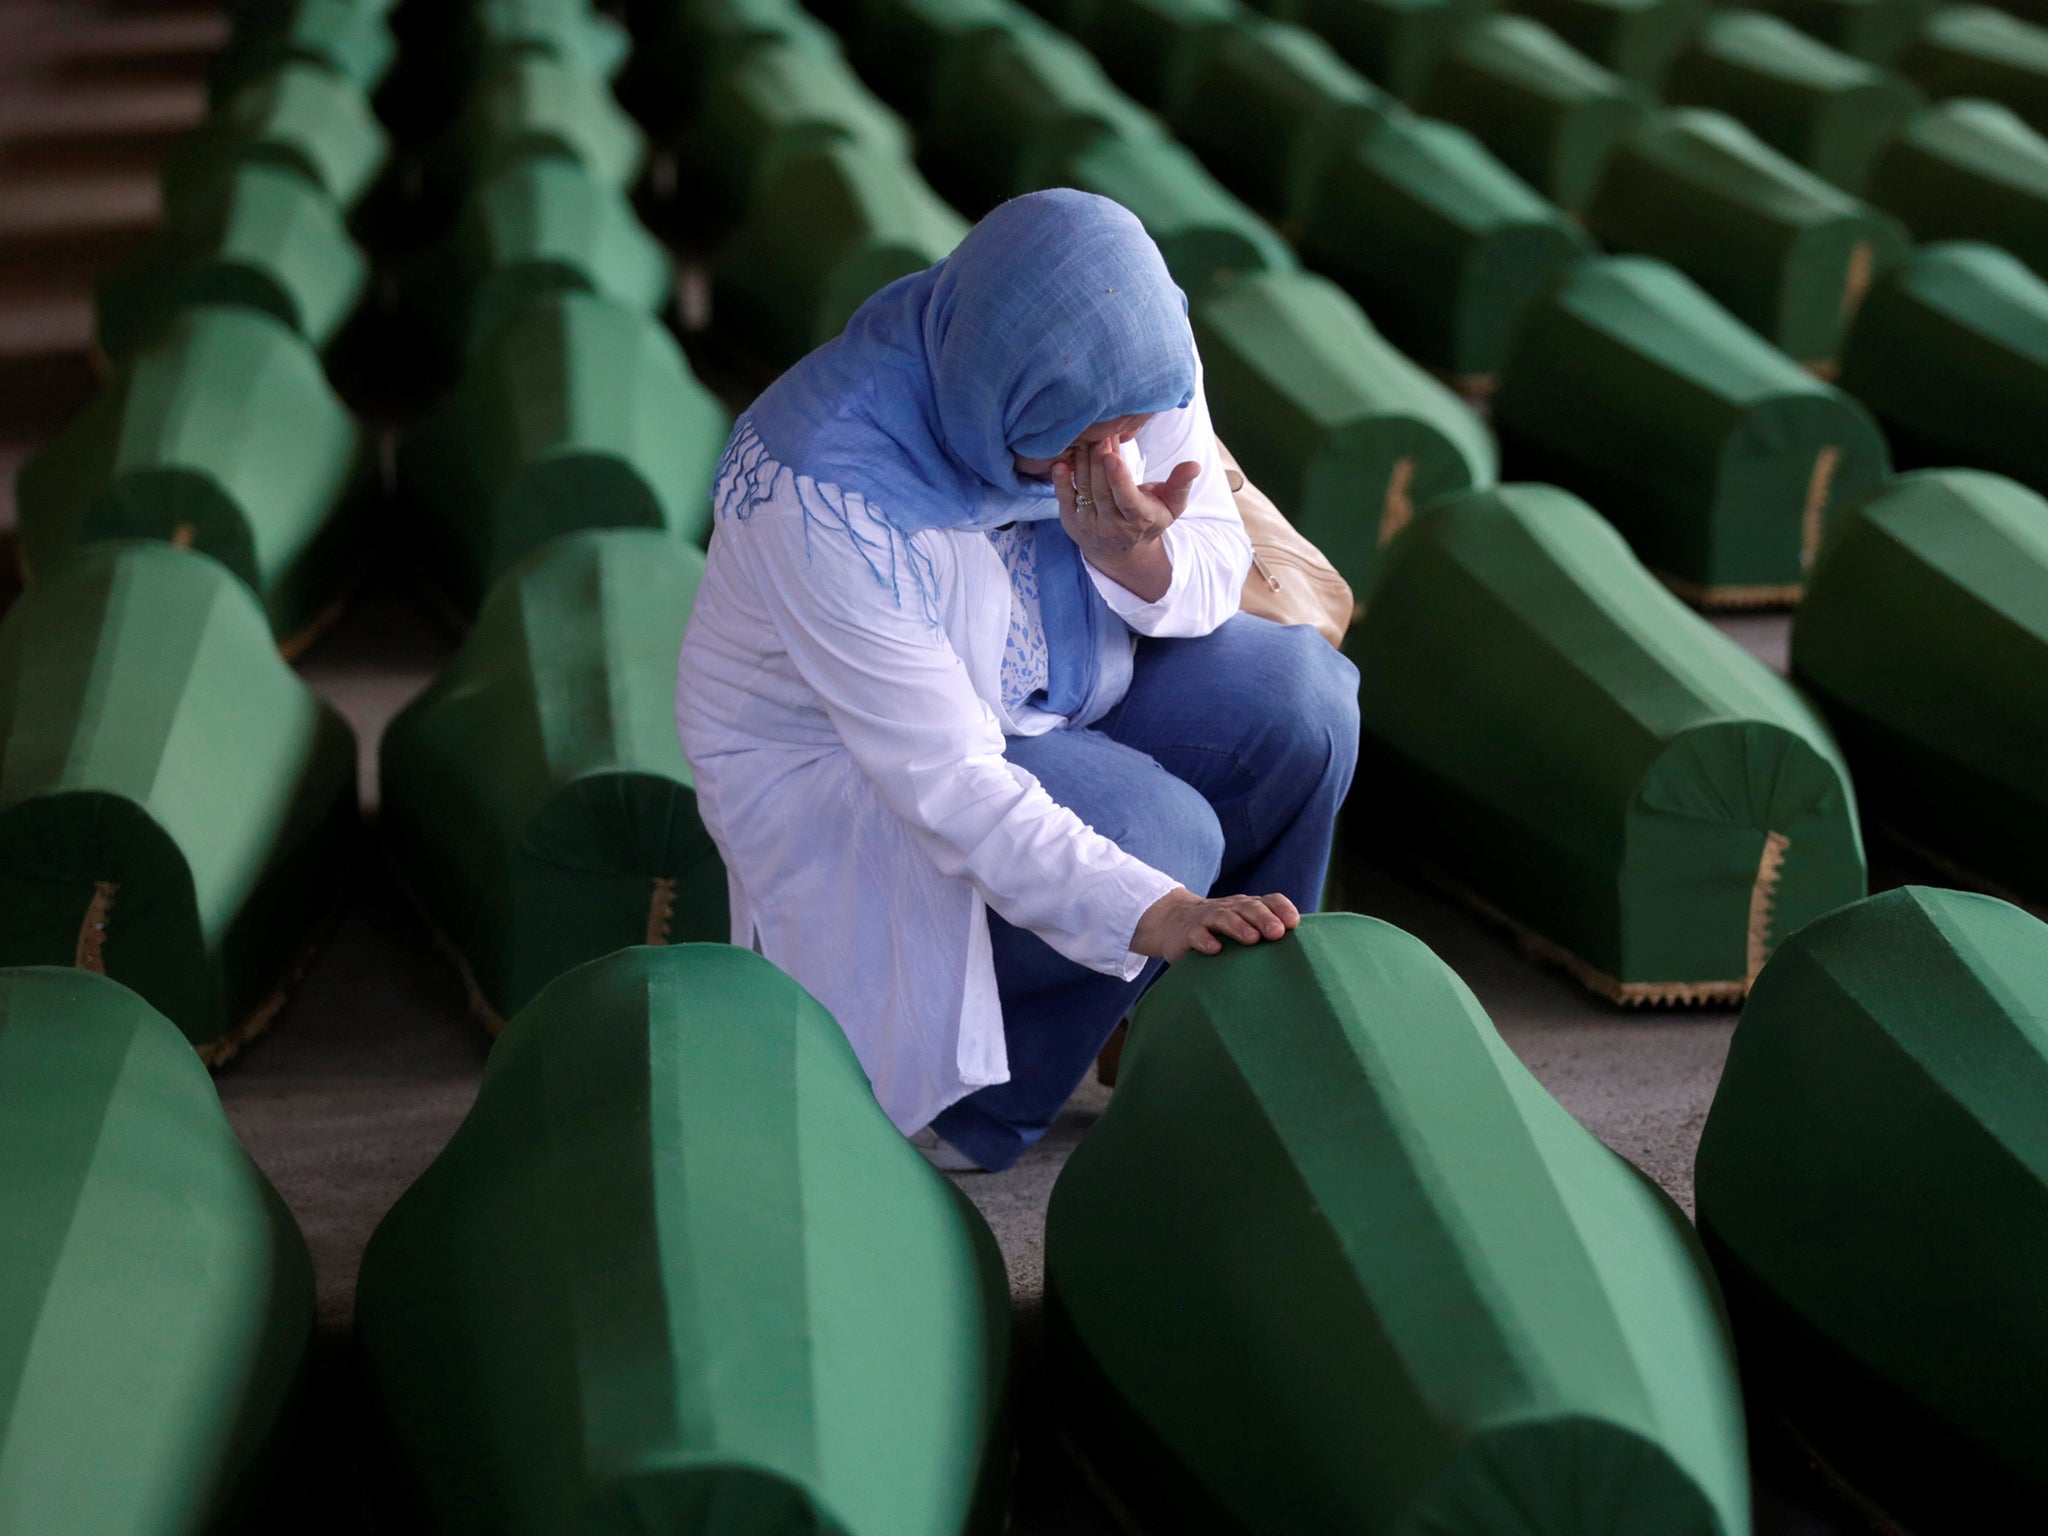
x=1310 y=693
x=1174 y=829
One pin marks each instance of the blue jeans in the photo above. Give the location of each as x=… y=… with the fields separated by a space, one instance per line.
x=1224 y=767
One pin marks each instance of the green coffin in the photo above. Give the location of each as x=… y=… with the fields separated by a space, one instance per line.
x=477 y=36
x=344 y=37
x=1009 y=109
x=304 y=118
x=1790 y=255
x=1927 y=644
x=258 y=236
x=694 y=41
x=1973 y=50
x=1344 y=433
x=575 y=413
x=222 y=435
x=176 y=808
x=1267 y=106
x=1397 y=44
x=903 y=46
x=827 y=230
x=536 y=227
x=1717 y=456
x=1550 y=114
x=538 y=832
x=1202 y=230
x=1969 y=170
x=1438 y=240
x=1832 y=113
x=1952 y=356
x=1333 y=1261
x=1877 y=30
x=772 y=103
x=1637 y=39
x=1561 y=741
x=1140 y=42
x=531 y=106
x=677 y=1272
x=159 y=1297
x=1873 y=1189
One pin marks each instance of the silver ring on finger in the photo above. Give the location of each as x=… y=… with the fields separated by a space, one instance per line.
x=1084 y=501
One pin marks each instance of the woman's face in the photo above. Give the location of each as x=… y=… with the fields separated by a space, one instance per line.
x=1120 y=430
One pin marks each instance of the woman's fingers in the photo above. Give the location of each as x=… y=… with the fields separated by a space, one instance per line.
x=1284 y=909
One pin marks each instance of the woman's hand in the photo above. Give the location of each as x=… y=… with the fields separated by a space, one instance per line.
x=1119 y=523
x=1180 y=921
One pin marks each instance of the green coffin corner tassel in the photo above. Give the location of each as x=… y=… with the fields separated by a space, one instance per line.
x=1203 y=232
x=902 y=47
x=1876 y=30
x=1692 y=809
x=693 y=42
x=344 y=37
x=1969 y=170
x=534 y=106
x=827 y=230
x=258 y=236
x=1927 y=646
x=1139 y=41
x=306 y=119
x=224 y=436
x=677 y=1272
x=1637 y=39
x=159 y=1311
x=1268 y=105
x=177 y=809
x=1789 y=255
x=1873 y=1190
x=536 y=832
x=1344 y=433
x=1551 y=114
x=1975 y=51
x=1832 y=113
x=1719 y=458
x=1009 y=108
x=1952 y=355
x=536 y=227
x=576 y=413
x=1442 y=244
x=771 y=103
x=1332 y=1260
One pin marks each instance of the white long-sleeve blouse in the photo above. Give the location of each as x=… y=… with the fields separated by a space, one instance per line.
x=846 y=737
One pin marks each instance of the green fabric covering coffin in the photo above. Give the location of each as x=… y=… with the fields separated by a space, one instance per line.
x=532 y=106
x=176 y=807
x=1334 y=1261
x=774 y=102
x=1873 y=1188
x=1831 y=113
x=1009 y=108
x=308 y=120
x=1973 y=50
x=342 y=36
x=438 y=70
x=828 y=229
x=1717 y=456
x=1790 y=255
x=259 y=236
x=1927 y=644
x=1438 y=239
x=575 y=413
x=1140 y=42
x=1551 y=114
x=1952 y=356
x=221 y=435
x=1637 y=39
x=692 y=42
x=1201 y=230
x=159 y=1297
x=1398 y=44
x=1969 y=170
x=1343 y=432
x=903 y=46
x=1558 y=739
x=536 y=227
x=1877 y=30
x=536 y=831
x=678 y=1272
x=1267 y=106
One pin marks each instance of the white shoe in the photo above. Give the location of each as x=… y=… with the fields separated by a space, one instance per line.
x=942 y=1154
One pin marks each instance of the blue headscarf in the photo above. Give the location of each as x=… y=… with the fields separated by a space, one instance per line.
x=1056 y=312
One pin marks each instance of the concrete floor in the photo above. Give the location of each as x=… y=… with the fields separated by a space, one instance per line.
x=373 y=1065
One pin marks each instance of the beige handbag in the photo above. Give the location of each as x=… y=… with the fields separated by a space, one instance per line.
x=1290 y=582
